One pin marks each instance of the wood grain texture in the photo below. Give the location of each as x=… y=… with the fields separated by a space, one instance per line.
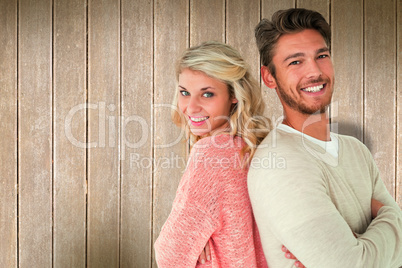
x=241 y=19
x=207 y=21
x=398 y=189
x=69 y=187
x=136 y=142
x=35 y=133
x=347 y=57
x=134 y=162
x=273 y=109
x=380 y=86
x=171 y=38
x=269 y=7
x=103 y=132
x=317 y=5
x=8 y=133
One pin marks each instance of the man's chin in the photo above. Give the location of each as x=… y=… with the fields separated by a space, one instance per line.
x=313 y=110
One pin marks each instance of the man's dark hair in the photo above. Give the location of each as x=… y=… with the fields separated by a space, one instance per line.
x=294 y=20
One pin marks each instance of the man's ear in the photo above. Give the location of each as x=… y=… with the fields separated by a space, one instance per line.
x=267 y=77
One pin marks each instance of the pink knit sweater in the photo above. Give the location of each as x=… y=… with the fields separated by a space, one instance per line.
x=212 y=204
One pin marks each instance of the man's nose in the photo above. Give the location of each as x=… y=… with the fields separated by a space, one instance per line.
x=313 y=70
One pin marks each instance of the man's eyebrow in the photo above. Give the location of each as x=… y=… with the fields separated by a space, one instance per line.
x=321 y=50
x=295 y=55
x=301 y=54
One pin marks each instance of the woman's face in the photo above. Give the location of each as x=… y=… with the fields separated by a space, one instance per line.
x=204 y=101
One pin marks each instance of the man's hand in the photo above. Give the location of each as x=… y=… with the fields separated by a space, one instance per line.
x=375 y=207
x=289 y=255
x=205 y=254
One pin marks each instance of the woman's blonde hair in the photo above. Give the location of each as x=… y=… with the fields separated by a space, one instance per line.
x=223 y=62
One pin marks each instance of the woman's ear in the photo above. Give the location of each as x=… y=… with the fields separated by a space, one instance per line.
x=234 y=100
x=267 y=77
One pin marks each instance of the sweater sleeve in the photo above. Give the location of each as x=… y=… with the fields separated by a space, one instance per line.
x=195 y=213
x=292 y=207
x=385 y=231
x=183 y=236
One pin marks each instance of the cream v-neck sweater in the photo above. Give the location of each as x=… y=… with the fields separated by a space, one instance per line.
x=312 y=202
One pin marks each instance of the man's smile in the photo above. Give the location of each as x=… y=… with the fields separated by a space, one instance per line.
x=313 y=89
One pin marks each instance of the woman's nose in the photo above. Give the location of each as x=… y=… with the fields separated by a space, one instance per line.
x=193 y=105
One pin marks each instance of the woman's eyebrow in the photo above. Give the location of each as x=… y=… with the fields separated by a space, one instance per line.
x=205 y=88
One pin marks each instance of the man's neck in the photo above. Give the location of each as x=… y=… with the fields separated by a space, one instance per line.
x=315 y=125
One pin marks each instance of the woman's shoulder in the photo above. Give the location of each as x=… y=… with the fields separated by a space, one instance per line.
x=221 y=142
x=220 y=154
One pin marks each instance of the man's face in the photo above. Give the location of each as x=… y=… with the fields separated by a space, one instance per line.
x=304 y=73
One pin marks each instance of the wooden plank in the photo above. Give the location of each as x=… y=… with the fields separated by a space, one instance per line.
x=69 y=133
x=35 y=133
x=347 y=50
x=273 y=107
x=399 y=106
x=380 y=86
x=103 y=133
x=170 y=40
x=136 y=144
x=241 y=19
x=317 y=5
x=269 y=7
x=8 y=133
x=207 y=21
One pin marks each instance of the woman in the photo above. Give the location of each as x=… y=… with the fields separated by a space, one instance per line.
x=220 y=106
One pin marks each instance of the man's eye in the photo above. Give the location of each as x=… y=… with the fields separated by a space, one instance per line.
x=208 y=94
x=184 y=93
x=323 y=56
x=294 y=62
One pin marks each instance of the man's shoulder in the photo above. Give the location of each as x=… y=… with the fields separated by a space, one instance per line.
x=350 y=143
x=282 y=144
x=279 y=140
x=348 y=139
x=282 y=154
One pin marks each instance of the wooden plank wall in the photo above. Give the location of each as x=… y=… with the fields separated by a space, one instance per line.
x=8 y=130
x=35 y=135
x=90 y=161
x=69 y=130
x=398 y=189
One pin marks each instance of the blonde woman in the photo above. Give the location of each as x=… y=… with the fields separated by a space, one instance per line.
x=220 y=106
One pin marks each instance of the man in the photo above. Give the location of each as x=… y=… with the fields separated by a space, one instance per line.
x=327 y=204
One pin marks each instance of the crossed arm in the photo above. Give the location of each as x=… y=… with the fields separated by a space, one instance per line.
x=206 y=256
x=206 y=252
x=302 y=216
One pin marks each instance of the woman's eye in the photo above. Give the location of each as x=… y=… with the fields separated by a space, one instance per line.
x=184 y=93
x=208 y=94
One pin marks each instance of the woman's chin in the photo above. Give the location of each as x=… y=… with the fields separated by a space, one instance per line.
x=200 y=132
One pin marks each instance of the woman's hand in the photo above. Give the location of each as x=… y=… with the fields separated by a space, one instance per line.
x=289 y=255
x=205 y=254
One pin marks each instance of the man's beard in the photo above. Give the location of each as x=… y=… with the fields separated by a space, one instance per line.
x=301 y=107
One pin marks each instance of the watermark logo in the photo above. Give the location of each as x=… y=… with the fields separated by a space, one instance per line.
x=113 y=130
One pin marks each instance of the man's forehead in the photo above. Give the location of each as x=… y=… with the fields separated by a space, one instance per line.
x=308 y=40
